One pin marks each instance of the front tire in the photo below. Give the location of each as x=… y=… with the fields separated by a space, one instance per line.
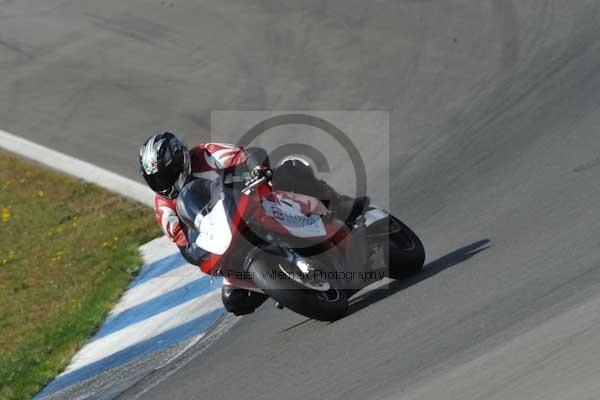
x=324 y=306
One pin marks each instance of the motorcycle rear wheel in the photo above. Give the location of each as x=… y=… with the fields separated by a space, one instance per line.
x=405 y=255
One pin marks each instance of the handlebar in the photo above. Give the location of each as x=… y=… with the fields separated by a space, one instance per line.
x=251 y=184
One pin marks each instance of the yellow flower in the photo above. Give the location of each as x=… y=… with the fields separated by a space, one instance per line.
x=60 y=229
x=40 y=194
x=115 y=238
x=4 y=261
x=105 y=244
x=5 y=214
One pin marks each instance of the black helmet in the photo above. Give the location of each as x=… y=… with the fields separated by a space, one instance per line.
x=165 y=164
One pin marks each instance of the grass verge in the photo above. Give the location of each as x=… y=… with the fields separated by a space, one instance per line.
x=67 y=251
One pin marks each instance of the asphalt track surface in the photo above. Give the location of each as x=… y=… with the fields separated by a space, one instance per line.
x=494 y=158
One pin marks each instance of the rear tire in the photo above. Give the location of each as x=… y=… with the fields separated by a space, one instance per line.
x=405 y=255
x=324 y=306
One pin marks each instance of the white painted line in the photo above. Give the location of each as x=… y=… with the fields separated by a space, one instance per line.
x=146 y=329
x=157 y=249
x=77 y=168
x=165 y=283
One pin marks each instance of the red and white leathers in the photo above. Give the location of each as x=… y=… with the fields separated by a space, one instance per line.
x=207 y=161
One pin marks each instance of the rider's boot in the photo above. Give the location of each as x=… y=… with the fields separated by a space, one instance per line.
x=241 y=301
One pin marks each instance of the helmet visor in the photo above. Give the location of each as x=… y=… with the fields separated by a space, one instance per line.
x=163 y=182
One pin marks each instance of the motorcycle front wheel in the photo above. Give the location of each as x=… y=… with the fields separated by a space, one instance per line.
x=324 y=305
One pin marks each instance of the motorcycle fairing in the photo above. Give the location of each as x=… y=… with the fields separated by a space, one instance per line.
x=214 y=232
x=212 y=263
x=287 y=209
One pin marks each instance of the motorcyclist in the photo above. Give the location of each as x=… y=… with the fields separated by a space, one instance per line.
x=167 y=166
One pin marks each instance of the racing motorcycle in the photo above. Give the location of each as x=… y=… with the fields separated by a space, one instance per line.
x=290 y=247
